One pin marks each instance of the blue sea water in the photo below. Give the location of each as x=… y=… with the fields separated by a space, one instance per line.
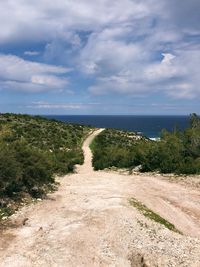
x=149 y=126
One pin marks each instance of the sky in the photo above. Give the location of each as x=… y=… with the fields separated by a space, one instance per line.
x=100 y=57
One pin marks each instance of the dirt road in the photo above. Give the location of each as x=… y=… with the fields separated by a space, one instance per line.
x=89 y=222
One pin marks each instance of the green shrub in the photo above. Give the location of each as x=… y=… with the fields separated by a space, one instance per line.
x=176 y=152
x=10 y=170
x=117 y=148
x=33 y=149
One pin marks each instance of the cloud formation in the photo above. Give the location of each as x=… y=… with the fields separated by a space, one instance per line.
x=52 y=106
x=43 y=20
x=22 y=75
x=125 y=46
x=31 y=53
x=44 y=105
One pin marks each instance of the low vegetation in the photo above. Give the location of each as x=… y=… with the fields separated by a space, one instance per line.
x=177 y=152
x=152 y=215
x=32 y=151
x=117 y=148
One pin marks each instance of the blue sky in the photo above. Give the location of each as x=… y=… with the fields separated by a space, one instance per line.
x=100 y=56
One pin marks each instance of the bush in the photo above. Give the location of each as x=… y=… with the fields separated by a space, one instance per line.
x=176 y=152
x=117 y=148
x=10 y=170
x=33 y=149
x=36 y=168
x=22 y=168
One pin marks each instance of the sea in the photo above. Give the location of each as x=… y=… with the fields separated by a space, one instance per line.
x=149 y=126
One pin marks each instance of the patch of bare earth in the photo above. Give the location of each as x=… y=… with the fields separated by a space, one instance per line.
x=89 y=222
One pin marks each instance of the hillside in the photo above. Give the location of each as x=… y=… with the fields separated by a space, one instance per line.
x=117 y=148
x=176 y=152
x=32 y=151
x=106 y=219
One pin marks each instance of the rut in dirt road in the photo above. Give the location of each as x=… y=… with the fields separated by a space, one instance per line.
x=89 y=222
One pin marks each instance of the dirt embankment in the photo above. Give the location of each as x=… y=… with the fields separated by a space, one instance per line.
x=89 y=222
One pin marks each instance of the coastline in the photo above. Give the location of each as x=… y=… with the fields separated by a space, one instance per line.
x=149 y=126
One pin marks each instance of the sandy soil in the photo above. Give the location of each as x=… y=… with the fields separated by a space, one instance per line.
x=89 y=222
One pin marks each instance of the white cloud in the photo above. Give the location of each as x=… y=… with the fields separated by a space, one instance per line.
x=165 y=69
x=31 y=53
x=22 y=75
x=175 y=76
x=125 y=46
x=108 y=52
x=46 y=105
x=42 y=19
x=60 y=106
x=168 y=58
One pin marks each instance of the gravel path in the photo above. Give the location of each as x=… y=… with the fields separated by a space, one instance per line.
x=89 y=222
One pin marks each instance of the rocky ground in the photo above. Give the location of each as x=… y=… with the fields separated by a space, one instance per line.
x=90 y=222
